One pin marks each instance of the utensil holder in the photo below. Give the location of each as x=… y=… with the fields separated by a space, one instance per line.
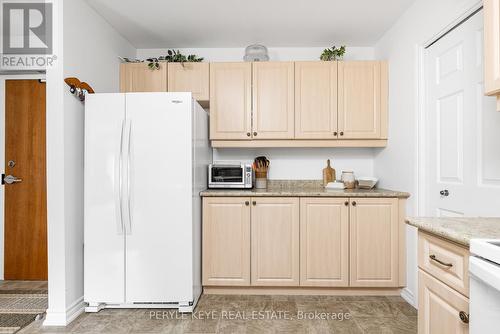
x=261 y=180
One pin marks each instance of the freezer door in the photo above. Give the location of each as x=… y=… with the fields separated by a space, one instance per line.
x=104 y=240
x=159 y=229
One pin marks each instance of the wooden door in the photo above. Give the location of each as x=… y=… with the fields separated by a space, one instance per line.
x=492 y=47
x=273 y=100
x=374 y=242
x=439 y=307
x=362 y=90
x=189 y=77
x=230 y=101
x=138 y=77
x=275 y=241
x=316 y=100
x=226 y=241
x=25 y=216
x=324 y=242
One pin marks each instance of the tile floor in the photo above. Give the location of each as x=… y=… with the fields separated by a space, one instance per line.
x=268 y=314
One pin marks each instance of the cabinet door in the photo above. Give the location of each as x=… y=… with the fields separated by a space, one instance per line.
x=230 y=100
x=273 y=100
x=374 y=242
x=439 y=307
x=316 y=100
x=324 y=242
x=189 y=77
x=491 y=46
x=362 y=99
x=138 y=77
x=275 y=241
x=226 y=241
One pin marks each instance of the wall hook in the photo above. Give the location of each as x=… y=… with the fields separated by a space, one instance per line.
x=78 y=88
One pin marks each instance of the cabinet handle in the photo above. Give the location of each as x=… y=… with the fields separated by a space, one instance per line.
x=341 y=133
x=464 y=317
x=254 y=203
x=247 y=203
x=335 y=133
x=346 y=203
x=255 y=134
x=354 y=203
x=248 y=134
x=434 y=258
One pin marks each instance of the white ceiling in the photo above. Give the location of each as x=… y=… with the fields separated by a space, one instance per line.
x=237 y=23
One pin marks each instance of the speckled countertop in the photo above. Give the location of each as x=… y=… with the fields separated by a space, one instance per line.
x=459 y=230
x=301 y=189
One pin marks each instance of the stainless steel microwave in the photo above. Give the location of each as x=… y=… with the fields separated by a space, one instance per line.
x=235 y=176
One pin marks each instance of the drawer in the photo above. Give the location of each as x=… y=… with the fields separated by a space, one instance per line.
x=444 y=260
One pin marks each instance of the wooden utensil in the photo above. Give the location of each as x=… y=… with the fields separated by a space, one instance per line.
x=328 y=174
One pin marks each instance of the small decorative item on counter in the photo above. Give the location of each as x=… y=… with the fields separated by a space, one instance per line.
x=366 y=182
x=348 y=179
x=335 y=186
x=260 y=167
x=328 y=174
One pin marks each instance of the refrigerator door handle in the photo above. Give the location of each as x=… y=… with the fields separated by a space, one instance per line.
x=119 y=180
x=128 y=228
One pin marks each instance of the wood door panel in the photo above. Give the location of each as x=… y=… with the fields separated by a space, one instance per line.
x=273 y=100
x=138 y=77
x=324 y=242
x=230 y=101
x=360 y=99
x=316 y=100
x=374 y=244
x=226 y=241
x=189 y=77
x=26 y=202
x=492 y=47
x=275 y=241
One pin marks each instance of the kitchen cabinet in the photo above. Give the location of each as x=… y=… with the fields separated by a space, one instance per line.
x=275 y=241
x=316 y=100
x=324 y=242
x=226 y=241
x=138 y=77
x=189 y=77
x=230 y=101
x=374 y=251
x=441 y=309
x=492 y=48
x=273 y=100
x=362 y=99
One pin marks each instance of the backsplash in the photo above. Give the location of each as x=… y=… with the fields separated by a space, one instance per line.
x=304 y=163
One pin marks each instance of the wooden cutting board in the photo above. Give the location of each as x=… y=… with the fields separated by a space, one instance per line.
x=328 y=174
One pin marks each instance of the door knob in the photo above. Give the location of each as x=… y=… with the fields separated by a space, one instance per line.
x=444 y=192
x=9 y=179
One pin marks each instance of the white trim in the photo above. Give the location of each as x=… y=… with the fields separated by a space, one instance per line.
x=407 y=295
x=65 y=318
x=4 y=77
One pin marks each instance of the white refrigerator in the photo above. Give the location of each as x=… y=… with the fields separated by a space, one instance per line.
x=146 y=157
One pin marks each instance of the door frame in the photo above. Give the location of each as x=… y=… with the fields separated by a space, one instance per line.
x=420 y=116
x=3 y=78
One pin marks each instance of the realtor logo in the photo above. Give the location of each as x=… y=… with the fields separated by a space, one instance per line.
x=27 y=35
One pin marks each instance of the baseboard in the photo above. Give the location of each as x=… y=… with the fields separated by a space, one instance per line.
x=65 y=318
x=297 y=291
x=409 y=297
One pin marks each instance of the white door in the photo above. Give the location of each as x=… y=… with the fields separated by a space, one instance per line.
x=463 y=129
x=159 y=226
x=104 y=240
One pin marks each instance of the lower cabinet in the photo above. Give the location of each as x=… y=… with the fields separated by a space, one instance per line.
x=307 y=242
x=441 y=309
x=324 y=242
x=275 y=241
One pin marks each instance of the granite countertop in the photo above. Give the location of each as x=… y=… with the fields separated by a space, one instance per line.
x=301 y=189
x=459 y=230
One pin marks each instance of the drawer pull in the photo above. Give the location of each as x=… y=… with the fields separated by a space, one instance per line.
x=434 y=258
x=464 y=317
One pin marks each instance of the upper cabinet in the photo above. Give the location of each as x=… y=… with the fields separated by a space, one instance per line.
x=316 y=100
x=189 y=77
x=362 y=100
x=230 y=101
x=273 y=100
x=138 y=77
x=492 y=48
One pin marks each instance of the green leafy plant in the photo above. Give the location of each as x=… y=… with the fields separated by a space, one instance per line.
x=172 y=56
x=333 y=53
